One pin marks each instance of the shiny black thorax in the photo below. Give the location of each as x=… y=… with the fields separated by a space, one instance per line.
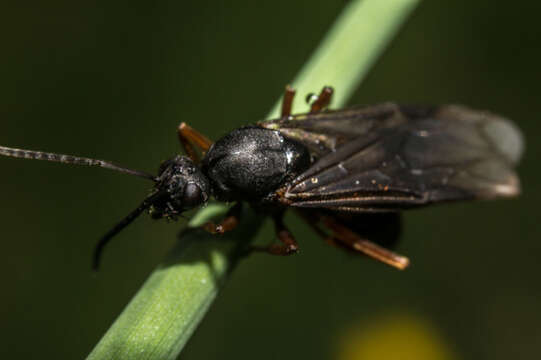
x=250 y=163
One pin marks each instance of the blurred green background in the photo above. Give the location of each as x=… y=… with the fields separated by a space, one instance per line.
x=112 y=80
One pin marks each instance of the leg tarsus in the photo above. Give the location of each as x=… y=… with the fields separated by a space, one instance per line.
x=229 y=222
x=274 y=249
x=287 y=245
x=287 y=101
x=323 y=99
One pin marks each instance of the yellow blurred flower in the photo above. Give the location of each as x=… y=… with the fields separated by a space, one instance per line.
x=390 y=337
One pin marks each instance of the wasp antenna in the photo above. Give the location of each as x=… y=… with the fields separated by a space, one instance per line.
x=121 y=225
x=70 y=159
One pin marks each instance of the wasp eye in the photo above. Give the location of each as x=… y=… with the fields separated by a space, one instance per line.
x=192 y=195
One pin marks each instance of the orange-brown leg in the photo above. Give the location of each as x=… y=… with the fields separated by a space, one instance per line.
x=287 y=245
x=229 y=222
x=345 y=238
x=287 y=101
x=355 y=242
x=189 y=137
x=323 y=99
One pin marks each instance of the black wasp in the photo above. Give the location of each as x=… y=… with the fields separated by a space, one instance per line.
x=348 y=172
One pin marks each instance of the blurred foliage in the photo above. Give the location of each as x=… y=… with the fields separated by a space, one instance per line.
x=113 y=79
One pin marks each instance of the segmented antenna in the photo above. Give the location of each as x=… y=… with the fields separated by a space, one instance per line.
x=69 y=159
x=121 y=225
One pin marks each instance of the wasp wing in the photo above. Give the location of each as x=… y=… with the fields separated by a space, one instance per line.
x=388 y=157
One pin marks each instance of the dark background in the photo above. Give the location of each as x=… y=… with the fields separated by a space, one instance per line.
x=112 y=80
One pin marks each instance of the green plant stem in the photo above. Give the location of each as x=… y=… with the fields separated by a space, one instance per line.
x=160 y=319
x=349 y=49
x=164 y=313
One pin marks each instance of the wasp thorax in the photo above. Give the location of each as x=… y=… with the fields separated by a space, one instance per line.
x=183 y=186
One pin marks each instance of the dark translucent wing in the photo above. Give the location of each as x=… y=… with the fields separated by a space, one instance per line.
x=323 y=132
x=387 y=157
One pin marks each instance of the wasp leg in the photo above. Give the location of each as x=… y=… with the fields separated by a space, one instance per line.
x=347 y=239
x=323 y=99
x=312 y=221
x=287 y=101
x=287 y=246
x=230 y=222
x=353 y=241
x=189 y=137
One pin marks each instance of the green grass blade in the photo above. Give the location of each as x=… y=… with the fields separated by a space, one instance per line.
x=160 y=319
x=348 y=51
x=164 y=313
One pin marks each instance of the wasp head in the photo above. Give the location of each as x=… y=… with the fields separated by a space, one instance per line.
x=182 y=186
